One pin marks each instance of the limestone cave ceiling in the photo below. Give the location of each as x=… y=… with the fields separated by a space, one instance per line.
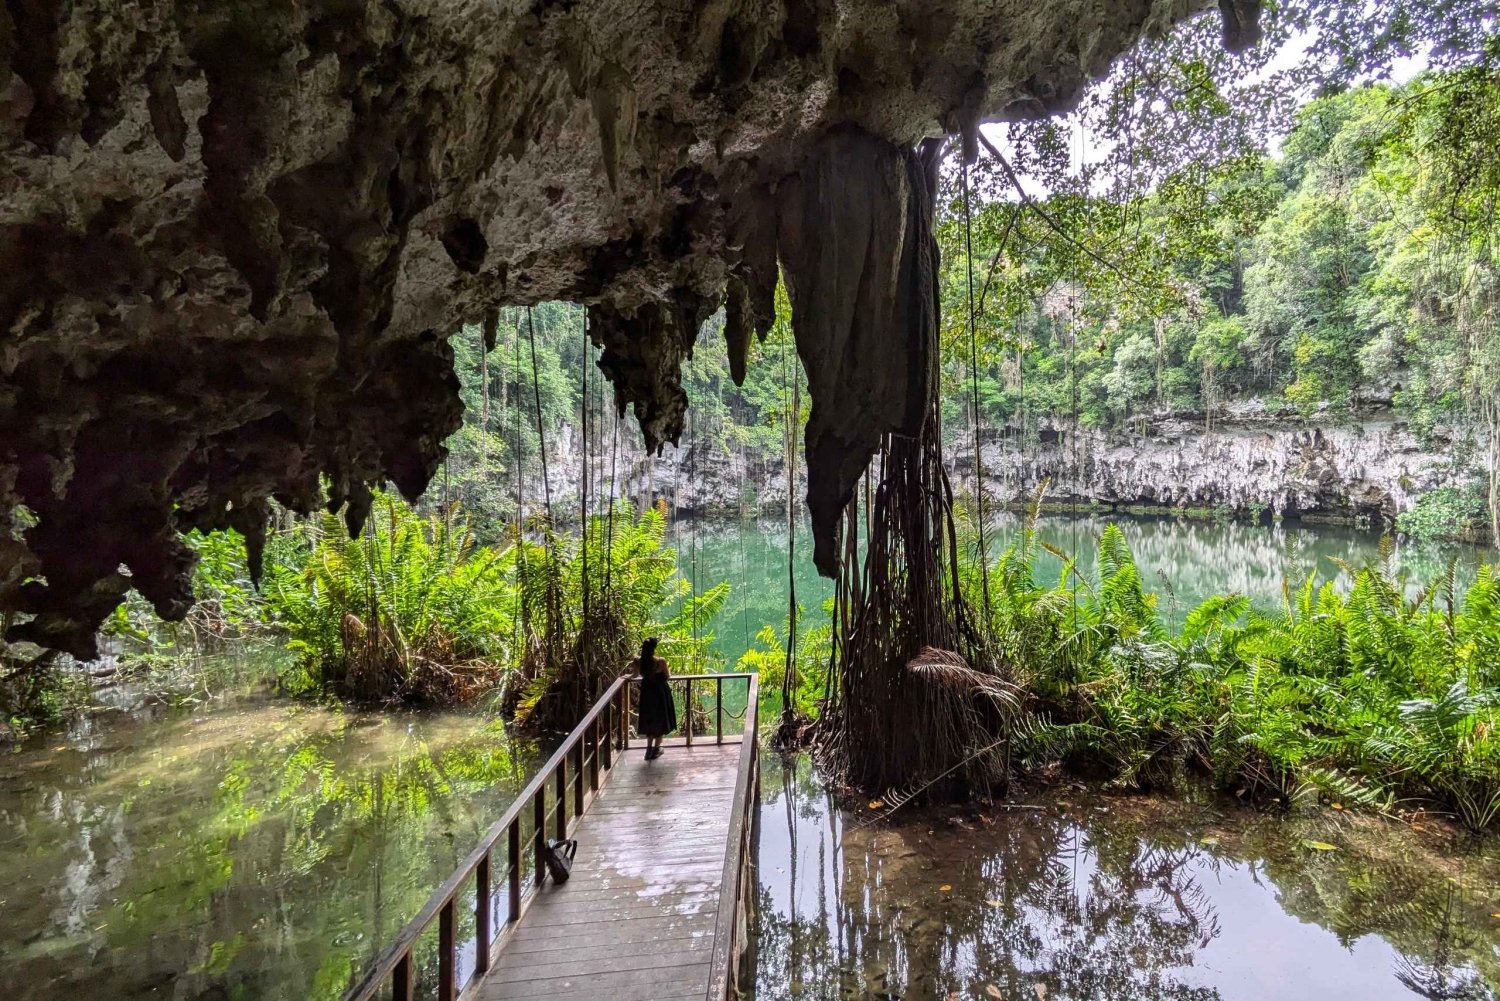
x=236 y=235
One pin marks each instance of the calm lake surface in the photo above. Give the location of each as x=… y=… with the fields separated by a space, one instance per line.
x=251 y=848
x=1072 y=895
x=1185 y=561
x=254 y=847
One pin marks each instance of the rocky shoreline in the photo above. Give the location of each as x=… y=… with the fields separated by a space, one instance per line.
x=1251 y=464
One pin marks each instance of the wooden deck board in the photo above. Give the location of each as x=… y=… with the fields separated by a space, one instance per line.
x=636 y=920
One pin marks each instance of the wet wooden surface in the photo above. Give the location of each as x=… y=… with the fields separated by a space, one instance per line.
x=636 y=920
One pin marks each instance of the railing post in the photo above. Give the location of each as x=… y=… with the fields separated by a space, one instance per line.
x=513 y=849
x=687 y=713
x=719 y=710
x=539 y=830
x=562 y=798
x=594 y=755
x=625 y=717
x=578 y=776
x=482 y=915
x=446 y=964
x=609 y=737
x=401 y=979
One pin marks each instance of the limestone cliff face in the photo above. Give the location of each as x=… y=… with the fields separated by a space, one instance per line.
x=234 y=235
x=1365 y=471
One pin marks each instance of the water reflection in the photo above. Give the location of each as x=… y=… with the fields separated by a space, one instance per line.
x=253 y=849
x=1082 y=896
x=1185 y=561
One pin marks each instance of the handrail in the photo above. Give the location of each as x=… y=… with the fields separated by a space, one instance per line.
x=700 y=677
x=587 y=748
x=396 y=962
x=718 y=680
x=728 y=929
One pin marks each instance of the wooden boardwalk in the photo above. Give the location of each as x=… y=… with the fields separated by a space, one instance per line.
x=636 y=921
x=659 y=904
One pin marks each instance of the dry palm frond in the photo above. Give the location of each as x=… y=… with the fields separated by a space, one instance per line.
x=947 y=669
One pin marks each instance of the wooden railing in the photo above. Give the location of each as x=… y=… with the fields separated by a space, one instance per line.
x=590 y=752
x=687 y=723
x=574 y=775
x=736 y=896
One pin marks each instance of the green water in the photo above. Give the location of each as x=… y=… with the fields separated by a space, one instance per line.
x=1073 y=895
x=1184 y=561
x=253 y=848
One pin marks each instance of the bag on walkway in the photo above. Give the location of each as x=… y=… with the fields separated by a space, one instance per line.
x=558 y=856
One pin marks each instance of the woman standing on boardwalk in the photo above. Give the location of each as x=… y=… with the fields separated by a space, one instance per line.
x=658 y=714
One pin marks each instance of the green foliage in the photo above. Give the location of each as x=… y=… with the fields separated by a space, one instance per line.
x=1356 y=696
x=413 y=608
x=1360 y=257
x=226 y=605
x=495 y=454
x=416 y=609
x=1445 y=513
x=767 y=657
x=34 y=695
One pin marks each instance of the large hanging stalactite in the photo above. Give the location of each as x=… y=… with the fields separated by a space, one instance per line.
x=861 y=267
x=860 y=263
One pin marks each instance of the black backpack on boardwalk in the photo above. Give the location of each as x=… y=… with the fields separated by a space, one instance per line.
x=558 y=856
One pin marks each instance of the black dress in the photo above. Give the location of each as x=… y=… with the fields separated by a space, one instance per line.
x=658 y=713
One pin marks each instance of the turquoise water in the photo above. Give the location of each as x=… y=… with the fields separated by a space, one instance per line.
x=252 y=848
x=1184 y=561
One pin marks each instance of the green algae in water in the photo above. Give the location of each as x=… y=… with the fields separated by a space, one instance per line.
x=1076 y=895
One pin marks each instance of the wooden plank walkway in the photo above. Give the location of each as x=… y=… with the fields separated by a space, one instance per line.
x=660 y=904
x=636 y=921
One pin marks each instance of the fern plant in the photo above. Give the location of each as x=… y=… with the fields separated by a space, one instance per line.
x=412 y=609
x=1356 y=695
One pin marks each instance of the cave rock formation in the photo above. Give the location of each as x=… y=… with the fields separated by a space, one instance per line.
x=235 y=235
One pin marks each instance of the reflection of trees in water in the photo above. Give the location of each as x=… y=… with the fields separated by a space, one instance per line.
x=1202 y=558
x=1422 y=915
x=1038 y=903
x=1439 y=979
x=1101 y=908
x=268 y=863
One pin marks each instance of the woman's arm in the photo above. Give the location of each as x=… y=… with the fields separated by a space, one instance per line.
x=661 y=665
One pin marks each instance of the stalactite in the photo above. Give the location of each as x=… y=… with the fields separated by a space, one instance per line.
x=860 y=267
x=238 y=237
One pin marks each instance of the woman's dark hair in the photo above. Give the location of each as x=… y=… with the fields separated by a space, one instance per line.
x=648 y=654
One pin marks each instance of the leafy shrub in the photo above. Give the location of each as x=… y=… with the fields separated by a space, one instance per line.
x=1445 y=513
x=226 y=604
x=411 y=609
x=1356 y=697
x=766 y=657
x=564 y=657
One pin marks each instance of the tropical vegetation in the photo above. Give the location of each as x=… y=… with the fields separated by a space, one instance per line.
x=1356 y=693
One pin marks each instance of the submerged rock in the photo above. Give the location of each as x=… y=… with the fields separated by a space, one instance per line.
x=235 y=236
